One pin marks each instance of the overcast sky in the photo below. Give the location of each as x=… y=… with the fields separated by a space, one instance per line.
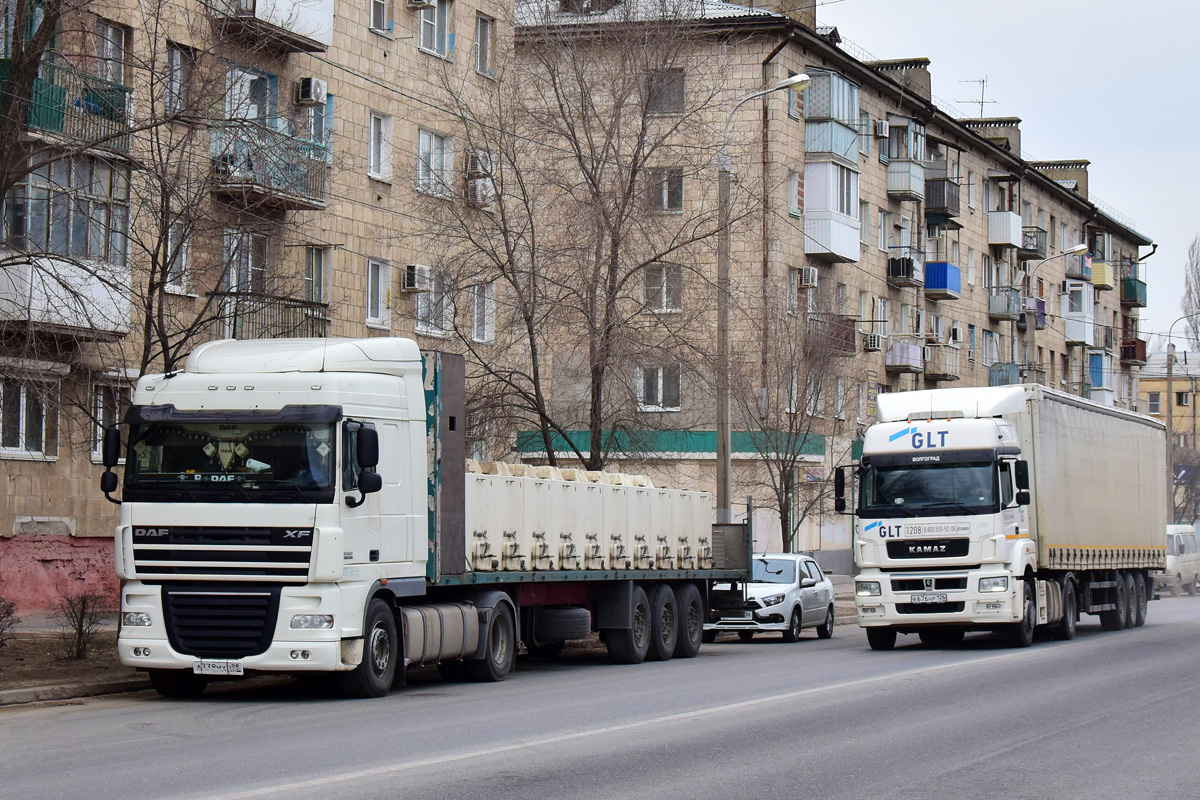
x=1111 y=82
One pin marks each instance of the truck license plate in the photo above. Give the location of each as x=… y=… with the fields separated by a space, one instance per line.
x=217 y=668
x=919 y=599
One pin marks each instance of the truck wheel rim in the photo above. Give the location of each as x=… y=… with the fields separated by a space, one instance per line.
x=640 y=628
x=694 y=625
x=499 y=644
x=380 y=650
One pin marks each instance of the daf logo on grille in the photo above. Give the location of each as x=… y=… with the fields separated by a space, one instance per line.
x=928 y=584
x=151 y=531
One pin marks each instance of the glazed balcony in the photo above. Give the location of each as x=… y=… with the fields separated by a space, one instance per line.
x=906 y=267
x=1004 y=373
x=87 y=301
x=943 y=281
x=906 y=179
x=1077 y=328
x=1004 y=229
x=259 y=166
x=831 y=137
x=1004 y=304
x=942 y=362
x=942 y=198
x=289 y=26
x=1133 y=352
x=831 y=237
x=68 y=103
x=1103 y=275
x=252 y=315
x=904 y=357
x=1133 y=292
x=1033 y=243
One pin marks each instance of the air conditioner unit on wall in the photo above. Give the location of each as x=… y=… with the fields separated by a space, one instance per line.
x=480 y=193
x=956 y=334
x=808 y=277
x=882 y=129
x=416 y=278
x=872 y=342
x=311 y=91
x=421 y=3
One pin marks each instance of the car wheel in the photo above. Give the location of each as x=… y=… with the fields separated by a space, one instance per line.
x=792 y=634
x=825 y=631
x=745 y=636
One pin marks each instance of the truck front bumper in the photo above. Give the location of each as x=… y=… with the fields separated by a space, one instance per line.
x=967 y=606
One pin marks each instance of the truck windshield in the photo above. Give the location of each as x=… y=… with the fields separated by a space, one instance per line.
x=773 y=570
x=230 y=461
x=928 y=490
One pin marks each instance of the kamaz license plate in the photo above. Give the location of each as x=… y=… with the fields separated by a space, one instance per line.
x=217 y=668
x=923 y=599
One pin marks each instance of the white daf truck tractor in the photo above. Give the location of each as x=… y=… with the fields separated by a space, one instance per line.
x=1008 y=509
x=304 y=506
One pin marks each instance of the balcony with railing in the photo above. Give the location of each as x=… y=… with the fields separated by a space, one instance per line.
x=1004 y=304
x=1133 y=352
x=298 y=26
x=1032 y=309
x=1033 y=243
x=1133 y=292
x=831 y=137
x=832 y=333
x=251 y=315
x=904 y=357
x=1004 y=229
x=906 y=267
x=941 y=198
x=1004 y=373
x=1103 y=337
x=1079 y=268
x=943 y=281
x=88 y=301
x=1103 y=275
x=69 y=103
x=943 y=362
x=906 y=179
x=261 y=166
x=1033 y=373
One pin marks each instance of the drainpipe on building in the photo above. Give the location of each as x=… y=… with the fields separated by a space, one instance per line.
x=766 y=214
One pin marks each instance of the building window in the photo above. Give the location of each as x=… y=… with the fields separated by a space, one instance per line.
x=664 y=287
x=434 y=29
x=831 y=96
x=795 y=100
x=379 y=147
x=435 y=305
x=864 y=214
x=795 y=194
x=483 y=321
x=991 y=347
x=885 y=220
x=1154 y=402
x=28 y=417
x=435 y=163
x=381 y=16
x=484 y=26
x=314 y=273
x=971 y=343
x=109 y=402
x=112 y=43
x=970 y=189
x=664 y=94
x=378 y=282
x=75 y=206
x=1183 y=398
x=793 y=291
x=814 y=402
x=666 y=189
x=864 y=133
x=178 y=78
x=179 y=247
x=659 y=388
x=245 y=262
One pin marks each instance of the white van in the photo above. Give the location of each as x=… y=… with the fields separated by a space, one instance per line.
x=1183 y=561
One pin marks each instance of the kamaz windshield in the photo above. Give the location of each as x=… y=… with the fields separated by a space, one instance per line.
x=231 y=461
x=926 y=490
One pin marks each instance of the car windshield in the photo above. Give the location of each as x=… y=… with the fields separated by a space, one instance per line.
x=774 y=570
x=231 y=461
x=928 y=490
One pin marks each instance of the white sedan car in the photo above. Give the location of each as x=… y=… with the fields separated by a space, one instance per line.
x=787 y=593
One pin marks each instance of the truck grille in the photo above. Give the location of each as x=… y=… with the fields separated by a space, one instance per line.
x=918 y=584
x=929 y=608
x=928 y=548
x=217 y=623
x=278 y=555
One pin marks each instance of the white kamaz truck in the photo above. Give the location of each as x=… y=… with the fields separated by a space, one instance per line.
x=305 y=506
x=1005 y=509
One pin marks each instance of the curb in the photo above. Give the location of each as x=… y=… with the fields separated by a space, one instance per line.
x=68 y=691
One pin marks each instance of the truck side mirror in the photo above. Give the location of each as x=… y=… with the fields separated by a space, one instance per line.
x=111 y=452
x=1023 y=498
x=1022 y=475
x=367 y=446
x=839 y=490
x=108 y=482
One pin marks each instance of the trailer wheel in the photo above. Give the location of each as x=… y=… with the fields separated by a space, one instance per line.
x=374 y=675
x=664 y=624
x=1065 y=629
x=1139 y=591
x=501 y=648
x=1116 y=619
x=691 y=621
x=629 y=645
x=177 y=684
x=1020 y=634
x=881 y=638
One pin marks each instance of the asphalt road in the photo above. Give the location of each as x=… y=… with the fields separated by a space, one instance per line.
x=1109 y=715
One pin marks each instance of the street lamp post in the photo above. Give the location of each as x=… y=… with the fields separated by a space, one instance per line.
x=1031 y=330
x=724 y=425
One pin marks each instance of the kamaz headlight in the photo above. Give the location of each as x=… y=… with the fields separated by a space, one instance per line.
x=772 y=600
x=867 y=589
x=136 y=619
x=312 y=622
x=993 y=584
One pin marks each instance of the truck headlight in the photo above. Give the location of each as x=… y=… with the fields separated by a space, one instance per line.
x=772 y=600
x=312 y=622
x=867 y=589
x=136 y=619
x=993 y=584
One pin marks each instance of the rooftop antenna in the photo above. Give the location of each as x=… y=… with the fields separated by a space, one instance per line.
x=982 y=92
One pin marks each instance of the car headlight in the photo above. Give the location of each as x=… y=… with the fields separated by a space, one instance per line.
x=867 y=589
x=312 y=621
x=993 y=584
x=136 y=619
x=774 y=599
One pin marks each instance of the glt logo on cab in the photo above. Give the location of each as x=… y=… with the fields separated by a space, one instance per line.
x=927 y=440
